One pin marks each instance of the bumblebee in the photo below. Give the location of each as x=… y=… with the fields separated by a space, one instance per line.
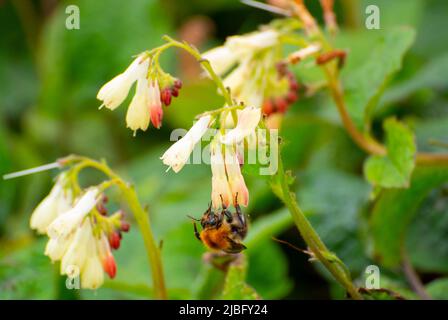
x=224 y=230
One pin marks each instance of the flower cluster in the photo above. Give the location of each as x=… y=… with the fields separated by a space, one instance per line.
x=154 y=88
x=227 y=181
x=258 y=79
x=81 y=235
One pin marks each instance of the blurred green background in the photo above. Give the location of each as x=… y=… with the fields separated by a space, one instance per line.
x=49 y=77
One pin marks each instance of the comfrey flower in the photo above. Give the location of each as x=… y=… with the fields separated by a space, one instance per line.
x=146 y=105
x=58 y=200
x=177 y=155
x=227 y=181
x=237 y=48
x=116 y=90
x=81 y=233
x=253 y=55
x=248 y=120
x=66 y=222
x=221 y=192
x=84 y=244
x=235 y=178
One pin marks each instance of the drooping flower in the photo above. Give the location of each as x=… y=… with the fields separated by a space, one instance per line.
x=65 y=223
x=137 y=116
x=58 y=200
x=235 y=178
x=239 y=48
x=56 y=247
x=177 y=155
x=254 y=55
x=106 y=257
x=221 y=58
x=113 y=93
x=76 y=253
x=221 y=193
x=155 y=104
x=248 y=120
x=92 y=273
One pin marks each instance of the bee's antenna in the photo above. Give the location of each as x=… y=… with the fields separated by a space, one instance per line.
x=193 y=218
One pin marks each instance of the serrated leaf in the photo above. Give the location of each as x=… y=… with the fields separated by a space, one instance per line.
x=394 y=169
x=365 y=84
x=396 y=208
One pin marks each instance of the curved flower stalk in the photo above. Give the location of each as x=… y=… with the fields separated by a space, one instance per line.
x=82 y=234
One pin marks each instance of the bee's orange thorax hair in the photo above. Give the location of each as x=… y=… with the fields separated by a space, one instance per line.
x=216 y=238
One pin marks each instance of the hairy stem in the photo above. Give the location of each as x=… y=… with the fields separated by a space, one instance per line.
x=331 y=262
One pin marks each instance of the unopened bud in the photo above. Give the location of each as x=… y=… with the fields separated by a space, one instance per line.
x=114 y=240
x=125 y=226
x=178 y=84
x=110 y=266
x=165 y=96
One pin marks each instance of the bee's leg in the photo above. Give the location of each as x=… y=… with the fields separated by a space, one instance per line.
x=239 y=213
x=226 y=212
x=196 y=233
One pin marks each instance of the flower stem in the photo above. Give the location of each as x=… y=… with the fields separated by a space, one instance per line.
x=331 y=262
x=140 y=214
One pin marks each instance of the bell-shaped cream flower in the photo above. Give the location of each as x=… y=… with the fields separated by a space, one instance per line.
x=137 y=116
x=248 y=120
x=221 y=193
x=77 y=252
x=65 y=223
x=235 y=178
x=221 y=58
x=92 y=273
x=113 y=93
x=253 y=41
x=238 y=48
x=57 y=201
x=57 y=247
x=177 y=155
x=155 y=104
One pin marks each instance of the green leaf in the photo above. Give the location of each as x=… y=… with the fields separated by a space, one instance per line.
x=333 y=200
x=365 y=84
x=27 y=273
x=271 y=280
x=396 y=208
x=268 y=226
x=431 y=75
x=438 y=289
x=426 y=238
x=235 y=287
x=393 y=170
x=380 y=294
